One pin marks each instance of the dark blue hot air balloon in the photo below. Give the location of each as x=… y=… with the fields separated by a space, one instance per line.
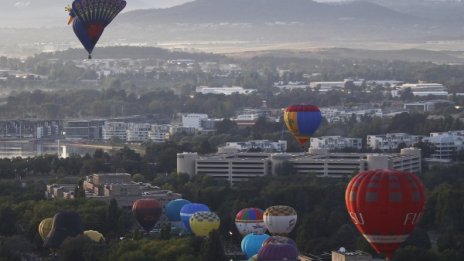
x=65 y=224
x=90 y=17
x=188 y=210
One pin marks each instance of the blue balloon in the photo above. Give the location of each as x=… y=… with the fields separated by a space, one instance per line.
x=188 y=210
x=90 y=17
x=173 y=208
x=251 y=244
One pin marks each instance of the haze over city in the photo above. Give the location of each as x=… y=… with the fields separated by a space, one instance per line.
x=232 y=130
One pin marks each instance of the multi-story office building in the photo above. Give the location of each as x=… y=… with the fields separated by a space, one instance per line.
x=138 y=132
x=335 y=143
x=83 y=129
x=446 y=144
x=159 y=133
x=193 y=120
x=256 y=145
x=391 y=141
x=237 y=167
x=115 y=129
x=422 y=89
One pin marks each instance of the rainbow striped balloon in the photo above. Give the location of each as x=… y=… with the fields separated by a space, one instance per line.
x=250 y=220
x=302 y=121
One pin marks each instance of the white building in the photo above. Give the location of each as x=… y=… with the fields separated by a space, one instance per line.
x=337 y=115
x=332 y=86
x=426 y=106
x=335 y=143
x=446 y=144
x=224 y=90
x=115 y=129
x=237 y=167
x=261 y=145
x=422 y=89
x=159 y=133
x=138 y=132
x=193 y=120
x=291 y=85
x=391 y=141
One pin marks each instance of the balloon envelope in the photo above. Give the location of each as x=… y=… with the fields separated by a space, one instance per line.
x=278 y=251
x=385 y=206
x=90 y=17
x=280 y=220
x=45 y=227
x=280 y=240
x=94 y=236
x=65 y=224
x=252 y=243
x=302 y=121
x=203 y=222
x=173 y=212
x=188 y=210
x=147 y=212
x=250 y=220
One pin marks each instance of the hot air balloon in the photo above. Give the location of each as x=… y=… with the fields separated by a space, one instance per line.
x=147 y=212
x=203 y=222
x=280 y=220
x=252 y=243
x=276 y=251
x=302 y=121
x=45 y=227
x=65 y=224
x=188 y=210
x=90 y=17
x=95 y=236
x=280 y=240
x=385 y=206
x=250 y=220
x=173 y=212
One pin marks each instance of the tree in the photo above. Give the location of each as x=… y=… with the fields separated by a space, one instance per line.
x=211 y=248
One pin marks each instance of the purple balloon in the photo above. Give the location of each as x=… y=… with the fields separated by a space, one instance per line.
x=278 y=251
x=280 y=240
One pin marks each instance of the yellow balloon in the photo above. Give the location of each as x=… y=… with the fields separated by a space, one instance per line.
x=95 y=236
x=203 y=222
x=44 y=227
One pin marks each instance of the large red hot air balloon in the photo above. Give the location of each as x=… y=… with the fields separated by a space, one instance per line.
x=385 y=206
x=147 y=212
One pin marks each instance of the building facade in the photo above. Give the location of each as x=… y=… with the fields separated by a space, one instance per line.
x=335 y=143
x=391 y=141
x=238 y=167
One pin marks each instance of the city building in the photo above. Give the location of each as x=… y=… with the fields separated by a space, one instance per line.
x=159 y=133
x=335 y=143
x=291 y=85
x=445 y=144
x=138 y=132
x=115 y=129
x=343 y=255
x=391 y=141
x=224 y=90
x=237 y=167
x=55 y=191
x=427 y=106
x=83 y=129
x=119 y=186
x=422 y=89
x=193 y=120
x=255 y=145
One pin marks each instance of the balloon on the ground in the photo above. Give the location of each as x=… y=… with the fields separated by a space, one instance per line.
x=385 y=206
x=280 y=220
x=90 y=17
x=250 y=220
x=203 y=222
x=94 y=236
x=65 y=224
x=173 y=212
x=302 y=121
x=277 y=251
x=147 y=212
x=188 y=210
x=45 y=227
x=252 y=243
